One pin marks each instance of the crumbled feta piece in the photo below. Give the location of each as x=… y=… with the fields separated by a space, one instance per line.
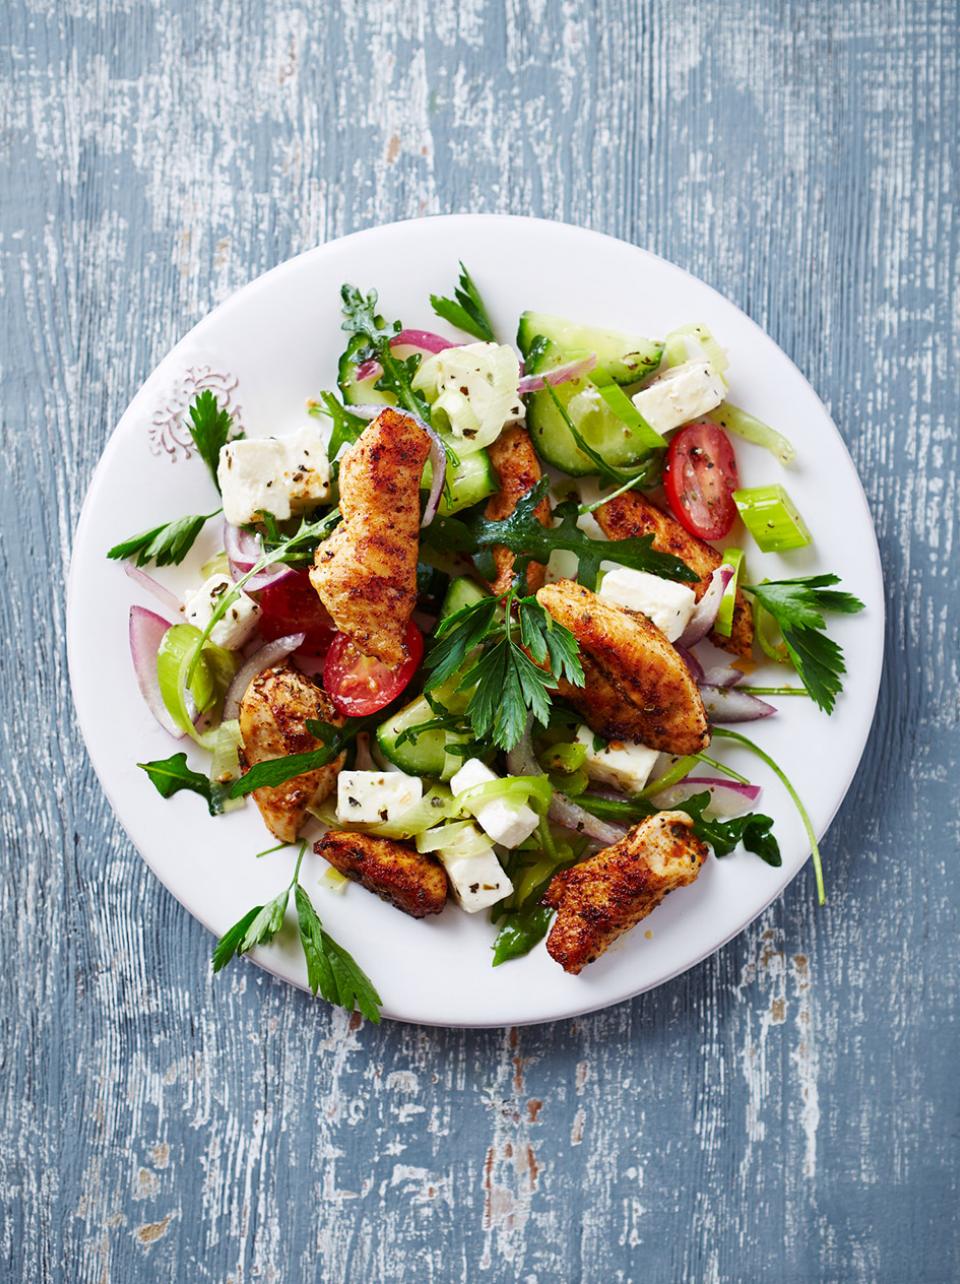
x=476 y=387
x=617 y=763
x=278 y=475
x=506 y=823
x=239 y=620
x=666 y=603
x=376 y=797
x=476 y=881
x=681 y=394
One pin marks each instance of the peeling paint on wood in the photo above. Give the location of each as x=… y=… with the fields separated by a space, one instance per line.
x=788 y=1110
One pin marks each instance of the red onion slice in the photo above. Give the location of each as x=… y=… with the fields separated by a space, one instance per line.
x=727 y=797
x=521 y=761
x=692 y=663
x=558 y=375
x=426 y=340
x=722 y=675
x=244 y=549
x=727 y=704
x=146 y=633
x=262 y=659
x=438 y=463
x=705 y=612
x=163 y=595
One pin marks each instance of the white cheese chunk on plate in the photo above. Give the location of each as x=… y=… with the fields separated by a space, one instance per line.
x=666 y=603
x=506 y=823
x=618 y=764
x=376 y=797
x=278 y=475
x=239 y=619
x=476 y=881
x=683 y=393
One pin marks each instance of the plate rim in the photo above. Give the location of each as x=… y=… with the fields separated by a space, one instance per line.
x=262 y=958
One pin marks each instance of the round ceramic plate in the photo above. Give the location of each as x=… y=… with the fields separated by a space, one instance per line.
x=266 y=351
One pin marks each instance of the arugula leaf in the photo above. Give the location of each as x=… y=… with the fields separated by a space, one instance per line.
x=466 y=310
x=528 y=540
x=797 y=606
x=361 y=318
x=508 y=684
x=172 y=774
x=753 y=830
x=166 y=545
x=210 y=429
x=520 y=932
x=347 y=426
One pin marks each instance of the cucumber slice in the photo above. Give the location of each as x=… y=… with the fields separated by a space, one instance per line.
x=593 y=416
x=472 y=480
x=359 y=392
x=462 y=592
x=423 y=756
x=624 y=358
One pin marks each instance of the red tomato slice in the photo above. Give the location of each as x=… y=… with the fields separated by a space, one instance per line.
x=292 y=606
x=699 y=478
x=359 y=684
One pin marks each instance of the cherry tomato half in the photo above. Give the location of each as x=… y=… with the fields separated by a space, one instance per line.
x=292 y=606
x=359 y=684
x=699 y=478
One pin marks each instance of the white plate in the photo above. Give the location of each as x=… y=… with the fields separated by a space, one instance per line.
x=273 y=345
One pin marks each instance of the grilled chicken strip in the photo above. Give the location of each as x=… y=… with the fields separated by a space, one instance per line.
x=394 y=871
x=633 y=514
x=637 y=685
x=610 y=892
x=518 y=471
x=366 y=572
x=273 y=715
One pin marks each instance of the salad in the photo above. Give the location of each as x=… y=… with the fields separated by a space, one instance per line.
x=480 y=627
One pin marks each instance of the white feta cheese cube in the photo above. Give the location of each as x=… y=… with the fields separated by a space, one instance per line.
x=681 y=394
x=506 y=823
x=666 y=603
x=476 y=881
x=618 y=764
x=375 y=797
x=278 y=475
x=239 y=620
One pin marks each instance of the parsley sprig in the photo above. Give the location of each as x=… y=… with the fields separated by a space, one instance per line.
x=165 y=545
x=797 y=606
x=210 y=429
x=466 y=309
x=397 y=373
x=523 y=534
x=510 y=678
x=331 y=970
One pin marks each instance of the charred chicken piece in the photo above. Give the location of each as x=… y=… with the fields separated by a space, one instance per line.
x=611 y=891
x=394 y=871
x=273 y=717
x=518 y=471
x=637 y=685
x=366 y=572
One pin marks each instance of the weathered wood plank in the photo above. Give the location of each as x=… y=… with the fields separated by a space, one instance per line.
x=788 y=1111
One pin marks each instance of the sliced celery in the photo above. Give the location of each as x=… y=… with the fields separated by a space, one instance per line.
x=677 y=347
x=218 y=565
x=207 y=684
x=644 y=436
x=225 y=764
x=753 y=430
x=724 y=621
x=771 y=517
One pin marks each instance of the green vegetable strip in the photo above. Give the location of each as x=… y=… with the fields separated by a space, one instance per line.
x=771 y=517
x=804 y=816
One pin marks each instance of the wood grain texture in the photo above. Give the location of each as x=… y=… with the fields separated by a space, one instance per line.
x=787 y=1111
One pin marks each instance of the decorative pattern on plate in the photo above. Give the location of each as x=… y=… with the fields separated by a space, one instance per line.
x=168 y=430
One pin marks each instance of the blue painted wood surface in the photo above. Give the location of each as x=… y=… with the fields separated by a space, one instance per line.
x=787 y=1111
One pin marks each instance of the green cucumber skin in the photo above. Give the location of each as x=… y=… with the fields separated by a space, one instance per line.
x=363 y=393
x=624 y=358
x=462 y=592
x=474 y=479
x=421 y=757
